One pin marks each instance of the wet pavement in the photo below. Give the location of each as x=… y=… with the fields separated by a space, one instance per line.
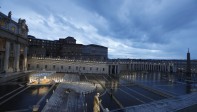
x=173 y=84
x=26 y=99
x=15 y=95
x=62 y=101
x=130 y=89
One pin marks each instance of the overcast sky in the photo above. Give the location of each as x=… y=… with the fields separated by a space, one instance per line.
x=147 y=29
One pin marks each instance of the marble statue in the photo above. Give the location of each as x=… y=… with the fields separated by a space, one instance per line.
x=97 y=102
x=9 y=15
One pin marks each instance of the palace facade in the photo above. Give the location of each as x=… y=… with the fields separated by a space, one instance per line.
x=13 y=44
x=66 y=48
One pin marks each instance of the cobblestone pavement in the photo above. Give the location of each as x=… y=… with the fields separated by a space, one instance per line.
x=63 y=101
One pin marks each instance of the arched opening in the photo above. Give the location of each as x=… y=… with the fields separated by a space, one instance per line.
x=21 y=62
x=2 y=53
x=1 y=61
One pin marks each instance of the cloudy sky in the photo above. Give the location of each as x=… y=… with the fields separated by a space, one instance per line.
x=148 y=29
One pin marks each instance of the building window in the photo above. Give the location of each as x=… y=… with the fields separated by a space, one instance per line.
x=13 y=28
x=45 y=66
x=83 y=68
x=28 y=65
x=76 y=67
x=69 y=67
x=37 y=66
x=53 y=66
x=61 y=67
x=103 y=69
x=97 y=69
x=90 y=68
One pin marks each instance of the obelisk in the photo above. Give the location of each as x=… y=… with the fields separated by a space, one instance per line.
x=188 y=70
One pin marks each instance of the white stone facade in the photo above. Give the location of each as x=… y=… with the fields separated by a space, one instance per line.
x=68 y=66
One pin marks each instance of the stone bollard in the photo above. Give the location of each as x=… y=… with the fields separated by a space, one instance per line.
x=36 y=108
x=47 y=100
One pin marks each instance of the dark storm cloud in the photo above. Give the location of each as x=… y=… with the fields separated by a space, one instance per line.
x=152 y=18
x=150 y=21
x=129 y=28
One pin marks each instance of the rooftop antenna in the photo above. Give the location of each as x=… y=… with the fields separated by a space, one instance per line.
x=188 y=50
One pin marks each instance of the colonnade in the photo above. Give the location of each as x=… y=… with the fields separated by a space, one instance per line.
x=161 y=67
x=115 y=68
x=14 y=56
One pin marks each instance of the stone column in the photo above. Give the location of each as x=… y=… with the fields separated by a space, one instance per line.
x=138 y=66
x=132 y=66
x=7 y=55
x=150 y=67
x=25 y=59
x=111 y=69
x=153 y=67
x=174 y=68
x=168 y=68
x=143 y=67
x=163 y=68
x=129 y=66
x=115 y=69
x=16 y=57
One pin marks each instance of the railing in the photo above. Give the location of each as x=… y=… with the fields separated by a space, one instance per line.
x=103 y=109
